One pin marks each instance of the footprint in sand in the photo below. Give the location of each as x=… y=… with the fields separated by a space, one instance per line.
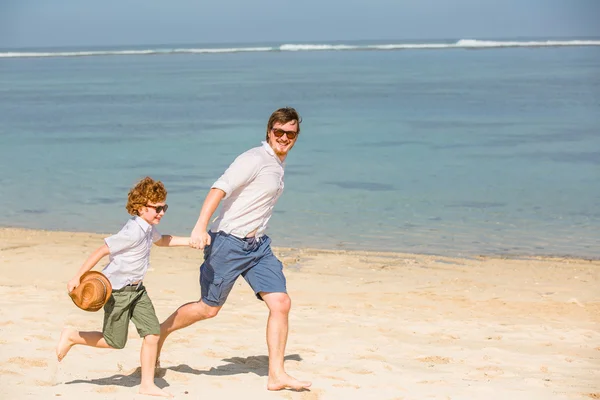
x=346 y=385
x=337 y=378
x=314 y=394
x=45 y=338
x=4 y=372
x=106 y=389
x=361 y=371
x=435 y=360
x=211 y=354
x=179 y=378
x=28 y=362
x=433 y=382
x=489 y=371
x=43 y=383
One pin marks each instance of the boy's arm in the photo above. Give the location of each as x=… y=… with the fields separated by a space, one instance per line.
x=90 y=263
x=170 y=241
x=199 y=237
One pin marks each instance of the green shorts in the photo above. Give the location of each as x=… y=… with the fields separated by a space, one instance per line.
x=129 y=303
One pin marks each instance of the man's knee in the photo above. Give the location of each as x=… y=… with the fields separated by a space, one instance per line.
x=205 y=311
x=277 y=302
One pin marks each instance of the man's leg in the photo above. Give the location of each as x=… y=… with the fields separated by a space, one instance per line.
x=185 y=316
x=214 y=288
x=70 y=337
x=279 y=305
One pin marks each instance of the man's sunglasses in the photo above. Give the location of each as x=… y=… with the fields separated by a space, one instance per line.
x=280 y=132
x=159 y=208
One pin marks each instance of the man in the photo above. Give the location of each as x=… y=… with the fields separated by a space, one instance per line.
x=237 y=245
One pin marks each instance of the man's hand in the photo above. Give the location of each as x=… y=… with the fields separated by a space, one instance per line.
x=199 y=239
x=72 y=284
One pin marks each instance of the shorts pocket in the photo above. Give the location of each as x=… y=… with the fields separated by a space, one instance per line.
x=215 y=289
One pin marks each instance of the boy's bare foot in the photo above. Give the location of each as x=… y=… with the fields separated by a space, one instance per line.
x=64 y=344
x=285 y=381
x=153 y=390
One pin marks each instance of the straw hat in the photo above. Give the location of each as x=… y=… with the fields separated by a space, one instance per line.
x=93 y=291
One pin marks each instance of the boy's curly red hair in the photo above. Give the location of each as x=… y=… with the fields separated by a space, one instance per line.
x=146 y=190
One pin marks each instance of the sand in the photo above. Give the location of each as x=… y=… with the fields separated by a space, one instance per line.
x=363 y=325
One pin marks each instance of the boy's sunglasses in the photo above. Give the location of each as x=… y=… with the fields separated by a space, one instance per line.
x=280 y=132
x=159 y=208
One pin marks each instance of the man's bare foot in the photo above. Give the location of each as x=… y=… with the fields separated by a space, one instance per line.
x=64 y=344
x=287 y=382
x=153 y=390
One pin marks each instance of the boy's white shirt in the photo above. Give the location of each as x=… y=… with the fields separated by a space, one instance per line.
x=130 y=252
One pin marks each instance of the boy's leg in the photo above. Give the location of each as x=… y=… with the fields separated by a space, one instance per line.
x=116 y=321
x=148 y=360
x=144 y=317
x=71 y=337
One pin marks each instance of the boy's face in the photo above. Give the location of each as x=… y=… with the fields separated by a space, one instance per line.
x=152 y=213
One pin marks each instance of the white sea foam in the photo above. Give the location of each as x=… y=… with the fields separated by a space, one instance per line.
x=465 y=43
x=317 y=47
x=461 y=44
x=224 y=50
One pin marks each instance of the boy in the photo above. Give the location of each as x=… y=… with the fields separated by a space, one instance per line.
x=129 y=252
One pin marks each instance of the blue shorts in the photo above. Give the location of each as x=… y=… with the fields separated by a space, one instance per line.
x=228 y=257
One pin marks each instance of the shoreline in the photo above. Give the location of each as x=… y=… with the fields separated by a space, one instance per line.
x=508 y=256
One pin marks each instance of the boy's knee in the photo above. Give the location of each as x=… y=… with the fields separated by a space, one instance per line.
x=151 y=339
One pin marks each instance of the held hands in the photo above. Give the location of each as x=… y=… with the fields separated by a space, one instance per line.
x=199 y=239
x=72 y=284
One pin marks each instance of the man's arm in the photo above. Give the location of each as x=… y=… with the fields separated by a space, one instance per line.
x=170 y=241
x=199 y=237
x=90 y=263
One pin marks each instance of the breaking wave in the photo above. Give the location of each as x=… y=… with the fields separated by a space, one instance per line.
x=461 y=44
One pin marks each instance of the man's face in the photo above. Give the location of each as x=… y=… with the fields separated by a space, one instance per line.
x=282 y=138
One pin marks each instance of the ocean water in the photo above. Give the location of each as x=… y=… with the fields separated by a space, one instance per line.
x=450 y=148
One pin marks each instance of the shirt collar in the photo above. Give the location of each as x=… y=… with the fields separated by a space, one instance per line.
x=142 y=223
x=270 y=151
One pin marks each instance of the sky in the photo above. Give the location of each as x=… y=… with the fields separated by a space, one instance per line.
x=58 y=23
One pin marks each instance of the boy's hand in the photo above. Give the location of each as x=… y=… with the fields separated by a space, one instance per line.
x=198 y=240
x=72 y=284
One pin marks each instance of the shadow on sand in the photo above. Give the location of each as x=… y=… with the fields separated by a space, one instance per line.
x=258 y=365
x=130 y=380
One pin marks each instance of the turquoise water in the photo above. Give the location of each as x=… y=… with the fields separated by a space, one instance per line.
x=440 y=151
